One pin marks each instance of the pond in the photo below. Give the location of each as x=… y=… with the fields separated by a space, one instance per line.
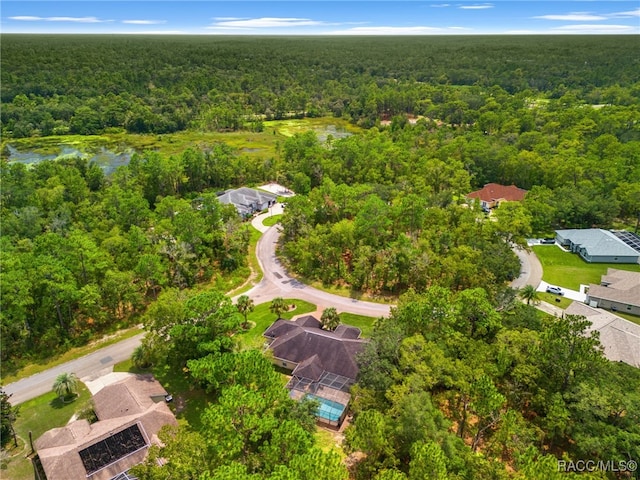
x=105 y=158
x=333 y=130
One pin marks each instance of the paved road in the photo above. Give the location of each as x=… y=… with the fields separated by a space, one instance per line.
x=276 y=282
x=88 y=367
x=530 y=269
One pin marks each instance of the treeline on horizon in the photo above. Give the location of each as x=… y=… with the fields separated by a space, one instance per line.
x=87 y=84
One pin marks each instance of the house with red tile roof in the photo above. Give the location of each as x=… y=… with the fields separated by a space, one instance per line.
x=492 y=194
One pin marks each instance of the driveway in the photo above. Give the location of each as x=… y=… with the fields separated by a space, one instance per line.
x=579 y=296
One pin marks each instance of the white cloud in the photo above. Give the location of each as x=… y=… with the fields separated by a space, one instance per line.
x=60 y=19
x=144 y=22
x=417 y=30
x=476 y=7
x=573 y=17
x=222 y=19
x=630 y=13
x=26 y=18
x=591 y=29
x=441 y=5
x=269 y=22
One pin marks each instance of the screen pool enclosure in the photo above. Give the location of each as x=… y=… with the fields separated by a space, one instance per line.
x=328 y=409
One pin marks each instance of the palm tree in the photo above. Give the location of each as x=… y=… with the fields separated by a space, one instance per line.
x=65 y=384
x=278 y=306
x=530 y=294
x=330 y=319
x=244 y=306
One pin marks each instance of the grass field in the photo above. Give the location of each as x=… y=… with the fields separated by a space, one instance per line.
x=261 y=318
x=271 y=221
x=568 y=270
x=253 y=144
x=37 y=416
x=365 y=324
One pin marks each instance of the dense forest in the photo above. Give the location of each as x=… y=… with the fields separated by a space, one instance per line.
x=89 y=84
x=461 y=381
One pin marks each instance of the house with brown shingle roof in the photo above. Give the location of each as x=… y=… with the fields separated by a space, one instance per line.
x=619 y=290
x=620 y=338
x=322 y=363
x=130 y=415
x=492 y=194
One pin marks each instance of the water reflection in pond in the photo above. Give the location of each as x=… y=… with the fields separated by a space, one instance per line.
x=105 y=158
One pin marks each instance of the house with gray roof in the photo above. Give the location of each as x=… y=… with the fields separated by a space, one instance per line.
x=322 y=363
x=597 y=246
x=247 y=200
x=620 y=338
x=130 y=415
x=619 y=290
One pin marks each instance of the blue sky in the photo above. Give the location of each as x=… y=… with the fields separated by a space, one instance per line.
x=302 y=17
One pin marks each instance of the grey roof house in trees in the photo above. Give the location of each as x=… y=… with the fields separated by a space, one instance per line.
x=130 y=415
x=597 y=246
x=322 y=363
x=247 y=200
x=620 y=338
x=619 y=290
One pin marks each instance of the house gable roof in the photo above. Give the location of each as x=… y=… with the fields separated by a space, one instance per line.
x=619 y=337
x=245 y=199
x=618 y=286
x=494 y=191
x=58 y=449
x=597 y=242
x=313 y=348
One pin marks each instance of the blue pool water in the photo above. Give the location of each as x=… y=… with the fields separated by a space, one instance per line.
x=328 y=409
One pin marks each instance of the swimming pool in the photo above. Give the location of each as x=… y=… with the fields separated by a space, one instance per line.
x=329 y=410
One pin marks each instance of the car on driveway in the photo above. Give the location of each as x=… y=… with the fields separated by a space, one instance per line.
x=547 y=241
x=555 y=290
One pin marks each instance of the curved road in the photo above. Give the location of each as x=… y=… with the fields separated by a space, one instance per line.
x=275 y=283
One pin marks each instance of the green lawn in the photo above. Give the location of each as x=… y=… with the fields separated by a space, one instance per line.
x=365 y=324
x=568 y=270
x=552 y=299
x=272 y=220
x=37 y=416
x=261 y=318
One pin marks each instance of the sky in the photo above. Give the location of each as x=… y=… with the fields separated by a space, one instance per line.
x=328 y=17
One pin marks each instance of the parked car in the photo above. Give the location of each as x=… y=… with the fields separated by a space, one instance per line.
x=555 y=290
x=548 y=241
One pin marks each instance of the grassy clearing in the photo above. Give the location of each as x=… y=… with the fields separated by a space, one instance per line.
x=271 y=221
x=253 y=144
x=556 y=300
x=261 y=318
x=247 y=143
x=328 y=440
x=568 y=270
x=72 y=354
x=37 y=416
x=289 y=128
x=365 y=324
